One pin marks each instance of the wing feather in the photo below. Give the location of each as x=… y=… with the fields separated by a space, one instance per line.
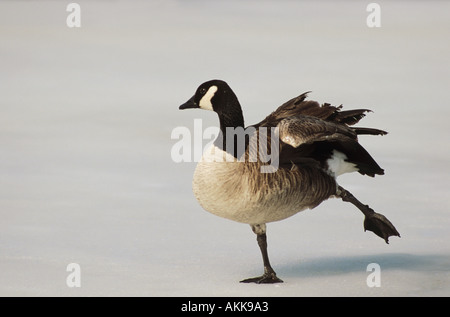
x=309 y=132
x=305 y=129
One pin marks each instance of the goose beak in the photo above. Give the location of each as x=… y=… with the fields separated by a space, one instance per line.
x=189 y=104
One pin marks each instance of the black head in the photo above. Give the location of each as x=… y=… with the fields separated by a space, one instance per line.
x=217 y=96
x=211 y=95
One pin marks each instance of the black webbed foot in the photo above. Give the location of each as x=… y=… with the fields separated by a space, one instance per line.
x=380 y=225
x=266 y=278
x=375 y=222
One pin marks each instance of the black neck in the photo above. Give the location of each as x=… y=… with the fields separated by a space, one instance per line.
x=230 y=116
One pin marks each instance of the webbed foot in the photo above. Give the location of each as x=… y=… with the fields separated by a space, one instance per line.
x=375 y=222
x=380 y=225
x=266 y=278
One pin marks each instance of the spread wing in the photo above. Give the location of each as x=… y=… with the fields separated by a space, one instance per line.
x=299 y=106
x=297 y=130
x=310 y=131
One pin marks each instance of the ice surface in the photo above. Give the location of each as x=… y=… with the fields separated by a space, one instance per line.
x=86 y=174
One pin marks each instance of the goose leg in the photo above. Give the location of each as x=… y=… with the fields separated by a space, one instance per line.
x=269 y=275
x=375 y=222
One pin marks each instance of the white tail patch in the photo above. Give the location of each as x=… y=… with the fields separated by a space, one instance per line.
x=338 y=165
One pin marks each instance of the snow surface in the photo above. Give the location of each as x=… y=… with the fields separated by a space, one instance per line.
x=86 y=174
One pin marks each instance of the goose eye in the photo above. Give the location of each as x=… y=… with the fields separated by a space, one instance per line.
x=203 y=91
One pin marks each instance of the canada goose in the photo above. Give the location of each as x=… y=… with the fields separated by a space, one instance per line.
x=315 y=145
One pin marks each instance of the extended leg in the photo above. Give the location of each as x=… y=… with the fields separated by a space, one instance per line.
x=269 y=275
x=375 y=222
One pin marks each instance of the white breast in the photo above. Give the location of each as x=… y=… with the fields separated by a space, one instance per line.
x=228 y=188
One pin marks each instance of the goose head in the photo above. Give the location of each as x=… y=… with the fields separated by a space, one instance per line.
x=208 y=96
x=217 y=96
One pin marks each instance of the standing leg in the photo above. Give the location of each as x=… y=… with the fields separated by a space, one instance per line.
x=375 y=222
x=269 y=275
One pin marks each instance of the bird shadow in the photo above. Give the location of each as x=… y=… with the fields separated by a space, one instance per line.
x=328 y=266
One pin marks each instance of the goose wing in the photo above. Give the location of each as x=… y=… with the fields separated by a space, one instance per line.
x=310 y=132
x=299 y=129
x=299 y=106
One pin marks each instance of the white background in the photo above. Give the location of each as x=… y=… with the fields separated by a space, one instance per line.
x=86 y=174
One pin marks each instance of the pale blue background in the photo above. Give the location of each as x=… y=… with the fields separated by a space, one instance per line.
x=85 y=121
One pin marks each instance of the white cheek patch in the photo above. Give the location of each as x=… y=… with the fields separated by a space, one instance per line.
x=205 y=102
